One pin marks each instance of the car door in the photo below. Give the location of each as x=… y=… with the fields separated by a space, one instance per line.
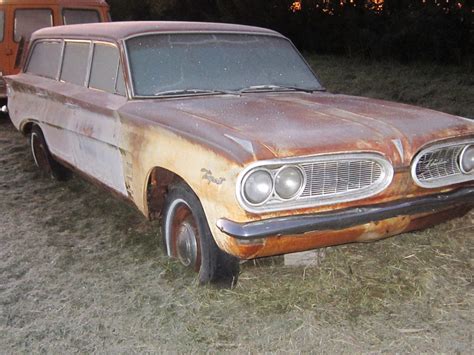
x=96 y=122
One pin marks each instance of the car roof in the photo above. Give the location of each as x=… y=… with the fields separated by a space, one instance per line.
x=121 y=30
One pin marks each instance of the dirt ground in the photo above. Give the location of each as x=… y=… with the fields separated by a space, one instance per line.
x=82 y=272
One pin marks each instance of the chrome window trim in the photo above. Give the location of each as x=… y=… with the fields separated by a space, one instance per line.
x=295 y=203
x=31 y=50
x=65 y=41
x=89 y=64
x=91 y=59
x=444 y=181
x=61 y=61
x=92 y=42
x=125 y=68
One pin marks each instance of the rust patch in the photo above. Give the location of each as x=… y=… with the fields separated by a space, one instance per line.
x=157 y=189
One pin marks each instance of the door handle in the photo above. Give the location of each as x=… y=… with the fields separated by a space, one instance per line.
x=41 y=94
x=70 y=105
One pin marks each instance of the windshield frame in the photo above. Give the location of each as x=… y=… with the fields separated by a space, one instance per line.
x=154 y=33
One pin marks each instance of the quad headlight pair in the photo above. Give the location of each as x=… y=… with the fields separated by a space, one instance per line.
x=285 y=183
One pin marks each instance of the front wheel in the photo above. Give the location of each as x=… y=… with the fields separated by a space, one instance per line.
x=186 y=236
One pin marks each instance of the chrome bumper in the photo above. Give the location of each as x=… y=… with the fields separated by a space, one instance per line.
x=346 y=218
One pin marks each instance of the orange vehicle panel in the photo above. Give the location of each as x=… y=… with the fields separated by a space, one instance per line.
x=10 y=57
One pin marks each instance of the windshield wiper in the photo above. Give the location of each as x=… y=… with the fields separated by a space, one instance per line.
x=194 y=92
x=256 y=88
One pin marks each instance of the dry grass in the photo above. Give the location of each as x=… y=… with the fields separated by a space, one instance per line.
x=80 y=272
x=440 y=87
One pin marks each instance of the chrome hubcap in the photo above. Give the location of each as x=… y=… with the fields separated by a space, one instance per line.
x=187 y=245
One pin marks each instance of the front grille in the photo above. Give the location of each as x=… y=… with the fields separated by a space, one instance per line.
x=330 y=178
x=438 y=164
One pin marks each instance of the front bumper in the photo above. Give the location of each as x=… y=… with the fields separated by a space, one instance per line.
x=292 y=225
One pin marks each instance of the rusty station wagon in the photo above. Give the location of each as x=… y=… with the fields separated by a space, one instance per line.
x=225 y=133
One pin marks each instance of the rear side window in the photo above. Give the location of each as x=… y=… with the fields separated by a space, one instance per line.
x=45 y=59
x=2 y=25
x=104 y=70
x=75 y=62
x=28 y=21
x=76 y=16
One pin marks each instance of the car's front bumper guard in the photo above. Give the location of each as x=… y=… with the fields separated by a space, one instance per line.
x=346 y=218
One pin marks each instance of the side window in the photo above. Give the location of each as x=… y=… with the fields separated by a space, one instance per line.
x=2 y=25
x=104 y=67
x=28 y=21
x=45 y=59
x=75 y=62
x=75 y=16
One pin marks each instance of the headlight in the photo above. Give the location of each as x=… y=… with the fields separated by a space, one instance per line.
x=258 y=187
x=288 y=182
x=466 y=160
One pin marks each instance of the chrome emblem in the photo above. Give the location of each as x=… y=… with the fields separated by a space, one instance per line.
x=436 y=163
x=398 y=144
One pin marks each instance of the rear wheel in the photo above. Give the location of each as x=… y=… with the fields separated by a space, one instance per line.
x=187 y=237
x=43 y=158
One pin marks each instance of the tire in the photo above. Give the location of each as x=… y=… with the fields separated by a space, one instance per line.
x=187 y=237
x=43 y=158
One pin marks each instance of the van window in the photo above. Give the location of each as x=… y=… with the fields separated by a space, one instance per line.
x=75 y=16
x=104 y=67
x=45 y=59
x=2 y=24
x=75 y=62
x=28 y=21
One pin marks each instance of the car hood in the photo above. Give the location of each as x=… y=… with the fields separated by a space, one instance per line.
x=295 y=124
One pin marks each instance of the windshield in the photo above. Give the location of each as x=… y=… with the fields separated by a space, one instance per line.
x=196 y=63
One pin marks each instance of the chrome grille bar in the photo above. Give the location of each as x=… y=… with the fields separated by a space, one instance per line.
x=438 y=165
x=338 y=177
x=329 y=179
